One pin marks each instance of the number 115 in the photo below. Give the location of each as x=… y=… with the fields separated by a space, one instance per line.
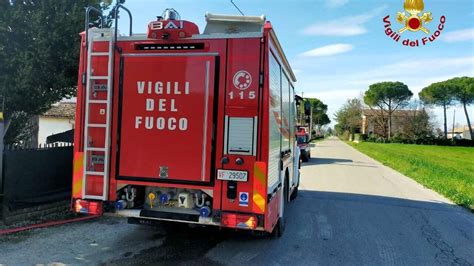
x=243 y=95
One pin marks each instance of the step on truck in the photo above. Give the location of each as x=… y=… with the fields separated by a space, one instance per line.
x=178 y=125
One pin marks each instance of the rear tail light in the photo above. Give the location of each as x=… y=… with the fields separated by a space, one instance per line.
x=239 y=220
x=90 y=207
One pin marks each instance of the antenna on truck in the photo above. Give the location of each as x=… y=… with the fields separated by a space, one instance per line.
x=232 y=1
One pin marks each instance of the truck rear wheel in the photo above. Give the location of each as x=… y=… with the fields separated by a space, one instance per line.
x=281 y=225
x=294 y=195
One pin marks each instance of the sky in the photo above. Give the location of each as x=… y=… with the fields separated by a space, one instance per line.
x=337 y=48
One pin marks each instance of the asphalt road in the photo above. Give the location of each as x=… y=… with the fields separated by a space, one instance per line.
x=351 y=211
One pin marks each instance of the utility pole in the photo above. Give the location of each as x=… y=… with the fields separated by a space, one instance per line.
x=454 y=121
x=302 y=116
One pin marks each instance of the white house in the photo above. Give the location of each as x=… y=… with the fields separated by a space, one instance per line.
x=466 y=134
x=56 y=120
x=460 y=133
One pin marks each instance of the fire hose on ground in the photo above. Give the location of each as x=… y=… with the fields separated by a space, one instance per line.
x=47 y=224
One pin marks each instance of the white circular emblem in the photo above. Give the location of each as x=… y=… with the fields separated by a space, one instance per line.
x=242 y=80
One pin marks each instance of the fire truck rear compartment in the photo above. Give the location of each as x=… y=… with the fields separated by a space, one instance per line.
x=166 y=117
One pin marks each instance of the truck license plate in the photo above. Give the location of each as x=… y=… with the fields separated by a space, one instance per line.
x=231 y=175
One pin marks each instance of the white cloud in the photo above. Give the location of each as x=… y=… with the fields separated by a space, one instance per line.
x=459 y=35
x=415 y=70
x=346 y=26
x=328 y=50
x=336 y=3
x=417 y=66
x=334 y=87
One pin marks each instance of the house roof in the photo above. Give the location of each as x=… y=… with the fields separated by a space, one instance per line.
x=61 y=110
x=400 y=113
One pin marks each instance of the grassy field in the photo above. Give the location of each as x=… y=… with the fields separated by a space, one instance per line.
x=448 y=170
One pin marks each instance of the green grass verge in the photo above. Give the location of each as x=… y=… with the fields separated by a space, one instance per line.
x=447 y=170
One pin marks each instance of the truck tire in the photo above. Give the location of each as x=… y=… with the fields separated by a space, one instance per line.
x=294 y=195
x=281 y=225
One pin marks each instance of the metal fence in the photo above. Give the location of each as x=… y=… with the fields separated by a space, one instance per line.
x=32 y=177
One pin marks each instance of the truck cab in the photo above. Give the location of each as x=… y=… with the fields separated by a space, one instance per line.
x=303 y=140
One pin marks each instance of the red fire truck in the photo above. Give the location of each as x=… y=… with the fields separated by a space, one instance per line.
x=183 y=126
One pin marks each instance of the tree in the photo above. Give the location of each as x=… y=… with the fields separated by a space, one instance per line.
x=464 y=93
x=417 y=124
x=388 y=97
x=319 y=111
x=441 y=94
x=39 y=55
x=349 y=117
x=320 y=117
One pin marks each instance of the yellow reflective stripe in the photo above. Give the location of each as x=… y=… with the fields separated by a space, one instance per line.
x=78 y=164
x=259 y=201
x=77 y=187
x=259 y=187
x=78 y=169
x=259 y=173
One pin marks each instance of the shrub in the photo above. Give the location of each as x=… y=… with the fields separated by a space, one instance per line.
x=464 y=142
x=356 y=137
x=397 y=139
x=371 y=138
x=318 y=137
x=428 y=140
x=346 y=135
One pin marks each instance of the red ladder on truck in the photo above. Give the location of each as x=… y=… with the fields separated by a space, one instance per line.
x=95 y=35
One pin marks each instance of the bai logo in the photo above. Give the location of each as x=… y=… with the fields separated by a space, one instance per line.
x=414 y=20
x=160 y=25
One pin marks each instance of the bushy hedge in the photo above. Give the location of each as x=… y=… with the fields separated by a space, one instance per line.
x=420 y=141
x=318 y=137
